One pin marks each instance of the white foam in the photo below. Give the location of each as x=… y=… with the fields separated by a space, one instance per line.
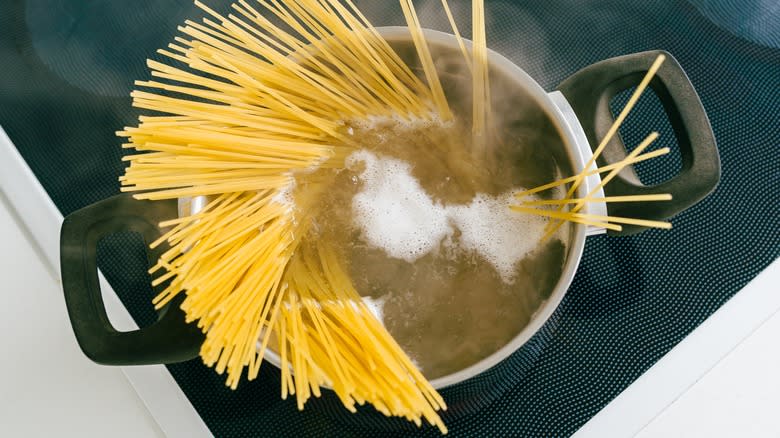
x=284 y=195
x=499 y=235
x=376 y=306
x=395 y=213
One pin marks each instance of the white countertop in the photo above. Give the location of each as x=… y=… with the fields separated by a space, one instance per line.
x=47 y=386
x=722 y=381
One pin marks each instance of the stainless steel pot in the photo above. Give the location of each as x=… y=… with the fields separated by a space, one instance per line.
x=579 y=112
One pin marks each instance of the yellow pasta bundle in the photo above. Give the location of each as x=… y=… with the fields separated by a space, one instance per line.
x=243 y=105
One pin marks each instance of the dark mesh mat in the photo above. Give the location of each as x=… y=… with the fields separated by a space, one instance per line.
x=67 y=66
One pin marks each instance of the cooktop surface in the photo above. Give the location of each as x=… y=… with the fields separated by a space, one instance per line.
x=67 y=68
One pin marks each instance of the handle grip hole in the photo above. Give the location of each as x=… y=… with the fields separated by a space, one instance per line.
x=123 y=260
x=648 y=115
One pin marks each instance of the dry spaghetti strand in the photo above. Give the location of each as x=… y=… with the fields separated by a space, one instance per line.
x=456 y=32
x=426 y=59
x=241 y=105
x=553 y=226
x=480 y=83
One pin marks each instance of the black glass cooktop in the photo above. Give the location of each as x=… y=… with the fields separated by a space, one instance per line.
x=67 y=67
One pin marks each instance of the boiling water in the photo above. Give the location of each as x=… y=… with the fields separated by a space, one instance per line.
x=424 y=227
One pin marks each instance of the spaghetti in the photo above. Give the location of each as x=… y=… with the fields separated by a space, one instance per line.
x=552 y=227
x=244 y=104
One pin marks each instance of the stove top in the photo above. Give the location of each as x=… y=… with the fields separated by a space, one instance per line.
x=68 y=68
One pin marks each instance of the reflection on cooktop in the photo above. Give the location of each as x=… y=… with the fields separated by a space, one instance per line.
x=101 y=46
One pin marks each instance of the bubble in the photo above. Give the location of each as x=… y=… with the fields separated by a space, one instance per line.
x=394 y=213
x=375 y=305
x=496 y=233
x=284 y=195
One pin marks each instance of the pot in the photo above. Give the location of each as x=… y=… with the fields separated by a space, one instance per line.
x=579 y=116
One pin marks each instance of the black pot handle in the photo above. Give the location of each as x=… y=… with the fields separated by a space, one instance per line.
x=589 y=92
x=168 y=340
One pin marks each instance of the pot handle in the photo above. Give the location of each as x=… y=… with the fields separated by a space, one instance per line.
x=590 y=90
x=168 y=340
